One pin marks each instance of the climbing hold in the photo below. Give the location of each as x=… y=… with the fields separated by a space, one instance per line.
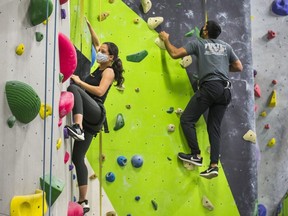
x=20 y=49
x=280 y=7
x=75 y=209
x=188 y=166
x=63 y=2
x=29 y=204
x=71 y=167
x=93 y=55
x=65 y=131
x=273 y=99
x=119 y=122
x=154 y=204
x=122 y=161
x=57 y=186
x=178 y=111
x=67 y=56
x=137 y=198
x=160 y=43
x=111 y=213
x=66 y=103
x=267 y=126
x=255 y=73
x=170 y=110
x=137 y=57
x=136 y=20
x=137 y=161
x=39 y=36
x=121 y=88
x=257 y=90
x=137 y=89
x=271 y=142
x=23 y=101
x=250 y=136
x=263 y=114
x=171 y=128
x=45 y=111
x=38 y=11
x=11 y=121
x=274 y=82
x=261 y=210
x=61 y=77
x=154 y=22
x=207 y=204
x=111 y=1
x=271 y=34
x=66 y=157
x=146 y=5
x=73 y=176
x=128 y=106
x=103 y=16
x=110 y=177
x=59 y=143
x=93 y=176
x=186 y=61
x=63 y=13
x=190 y=33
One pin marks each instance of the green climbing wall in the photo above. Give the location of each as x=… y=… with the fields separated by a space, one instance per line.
x=162 y=84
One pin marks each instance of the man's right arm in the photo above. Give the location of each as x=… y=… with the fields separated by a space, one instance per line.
x=236 y=66
x=173 y=51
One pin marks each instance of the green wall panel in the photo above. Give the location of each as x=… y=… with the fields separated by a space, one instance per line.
x=162 y=84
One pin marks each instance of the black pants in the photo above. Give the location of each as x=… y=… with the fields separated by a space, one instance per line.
x=92 y=116
x=214 y=96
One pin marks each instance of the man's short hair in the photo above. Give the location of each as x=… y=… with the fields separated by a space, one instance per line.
x=213 y=28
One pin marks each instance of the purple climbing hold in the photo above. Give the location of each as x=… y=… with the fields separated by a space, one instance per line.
x=261 y=210
x=280 y=7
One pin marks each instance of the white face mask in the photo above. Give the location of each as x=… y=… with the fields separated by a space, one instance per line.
x=101 y=58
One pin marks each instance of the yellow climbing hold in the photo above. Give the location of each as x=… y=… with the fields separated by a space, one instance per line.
x=42 y=110
x=31 y=205
x=20 y=49
x=271 y=142
x=250 y=136
x=59 y=143
x=273 y=99
x=263 y=114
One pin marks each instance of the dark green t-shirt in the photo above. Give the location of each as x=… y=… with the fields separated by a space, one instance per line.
x=214 y=57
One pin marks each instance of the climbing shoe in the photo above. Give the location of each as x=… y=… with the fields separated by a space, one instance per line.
x=85 y=206
x=193 y=159
x=211 y=172
x=76 y=132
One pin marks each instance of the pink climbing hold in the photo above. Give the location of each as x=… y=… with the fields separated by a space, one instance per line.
x=271 y=34
x=66 y=157
x=257 y=90
x=65 y=105
x=274 y=82
x=67 y=56
x=267 y=126
x=74 y=209
x=63 y=2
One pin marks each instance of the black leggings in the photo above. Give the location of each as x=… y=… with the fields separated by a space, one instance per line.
x=92 y=114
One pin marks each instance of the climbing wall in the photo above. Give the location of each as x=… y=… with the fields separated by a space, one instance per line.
x=28 y=151
x=270 y=57
x=155 y=86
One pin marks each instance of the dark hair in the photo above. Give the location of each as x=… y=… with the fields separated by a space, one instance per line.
x=117 y=63
x=213 y=28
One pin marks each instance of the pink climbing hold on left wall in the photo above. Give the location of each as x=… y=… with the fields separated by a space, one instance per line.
x=67 y=56
x=63 y=2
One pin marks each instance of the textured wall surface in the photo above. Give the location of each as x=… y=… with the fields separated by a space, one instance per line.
x=270 y=62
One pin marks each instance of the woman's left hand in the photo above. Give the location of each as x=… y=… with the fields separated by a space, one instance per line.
x=76 y=79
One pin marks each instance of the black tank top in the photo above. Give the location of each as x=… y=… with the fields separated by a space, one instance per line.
x=95 y=79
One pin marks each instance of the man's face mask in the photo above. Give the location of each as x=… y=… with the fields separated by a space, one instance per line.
x=101 y=58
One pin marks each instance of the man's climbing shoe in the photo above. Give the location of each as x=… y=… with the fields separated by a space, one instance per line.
x=76 y=132
x=193 y=159
x=211 y=172
x=85 y=206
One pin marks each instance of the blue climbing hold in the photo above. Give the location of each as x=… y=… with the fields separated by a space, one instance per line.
x=137 y=161
x=93 y=56
x=280 y=7
x=261 y=210
x=122 y=161
x=110 y=177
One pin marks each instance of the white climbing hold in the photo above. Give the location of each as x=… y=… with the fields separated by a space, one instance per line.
x=186 y=61
x=154 y=22
x=160 y=43
x=250 y=136
x=188 y=166
x=207 y=204
x=146 y=5
x=171 y=128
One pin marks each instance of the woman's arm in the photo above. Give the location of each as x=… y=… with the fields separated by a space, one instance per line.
x=95 y=39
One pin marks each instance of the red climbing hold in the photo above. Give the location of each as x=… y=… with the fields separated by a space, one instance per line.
x=257 y=90
x=271 y=34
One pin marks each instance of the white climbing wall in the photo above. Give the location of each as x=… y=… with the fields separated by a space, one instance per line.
x=22 y=147
x=270 y=62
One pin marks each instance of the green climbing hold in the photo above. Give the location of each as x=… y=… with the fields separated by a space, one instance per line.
x=190 y=33
x=11 y=121
x=119 y=122
x=38 y=11
x=57 y=186
x=23 y=101
x=137 y=57
x=39 y=36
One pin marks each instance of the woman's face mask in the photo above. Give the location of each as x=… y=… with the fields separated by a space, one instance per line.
x=101 y=58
